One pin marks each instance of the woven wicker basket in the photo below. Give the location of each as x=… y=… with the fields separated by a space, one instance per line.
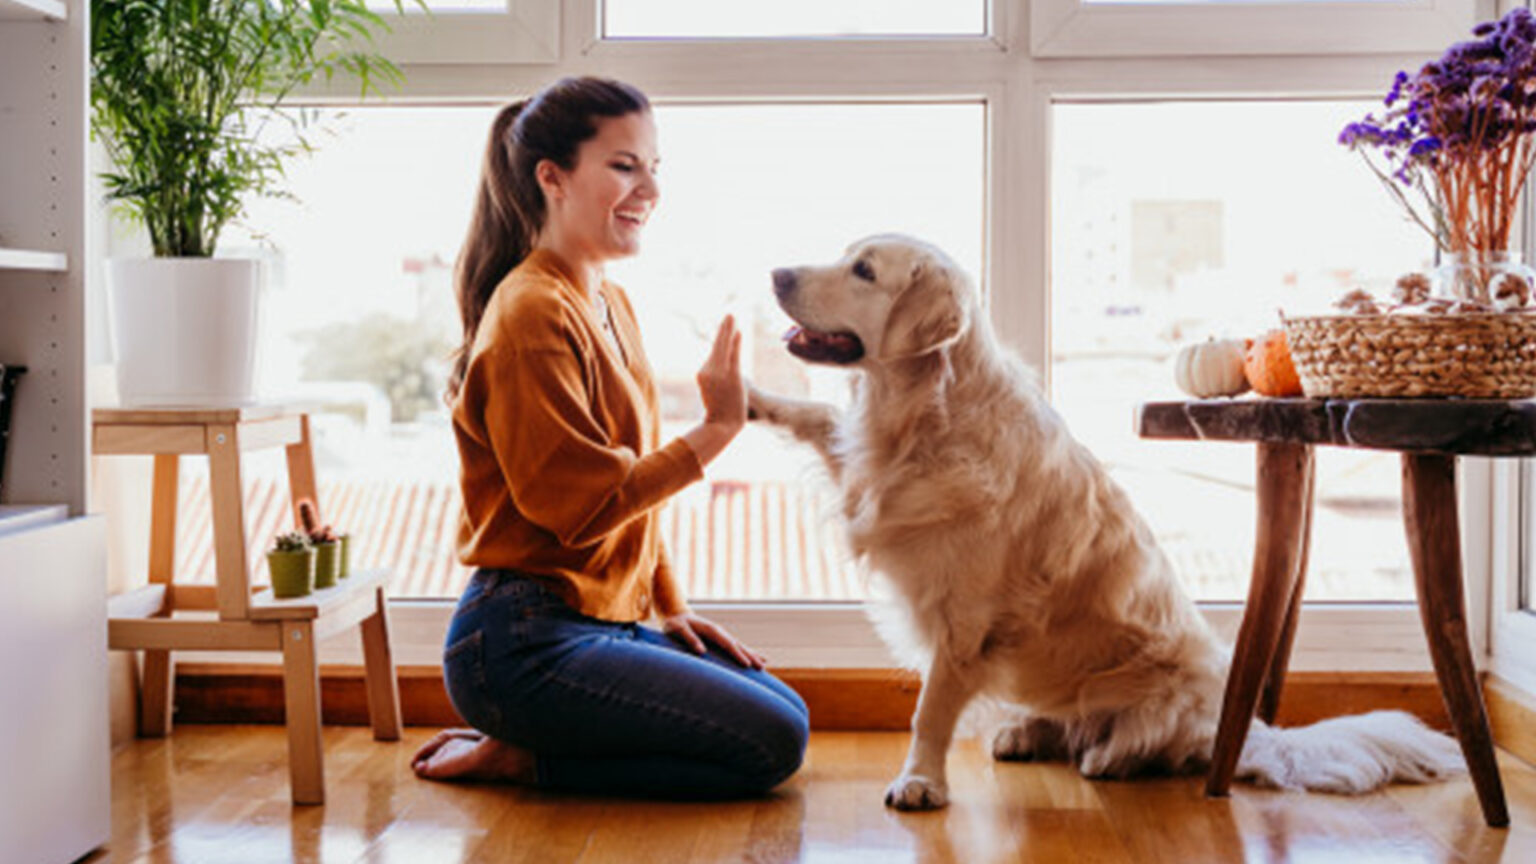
x=1476 y=356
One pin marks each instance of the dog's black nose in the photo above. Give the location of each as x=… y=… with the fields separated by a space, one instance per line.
x=783 y=281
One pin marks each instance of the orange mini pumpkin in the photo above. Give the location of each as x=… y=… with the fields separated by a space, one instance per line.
x=1269 y=368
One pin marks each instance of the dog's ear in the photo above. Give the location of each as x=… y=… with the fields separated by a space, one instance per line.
x=927 y=316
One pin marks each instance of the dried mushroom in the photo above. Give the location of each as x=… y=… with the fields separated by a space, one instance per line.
x=1411 y=289
x=1358 y=302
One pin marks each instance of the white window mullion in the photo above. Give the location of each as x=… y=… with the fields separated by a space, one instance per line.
x=1511 y=628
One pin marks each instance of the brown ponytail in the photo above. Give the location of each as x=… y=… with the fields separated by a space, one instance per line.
x=509 y=207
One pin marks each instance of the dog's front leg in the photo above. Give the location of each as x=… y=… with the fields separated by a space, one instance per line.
x=922 y=784
x=815 y=423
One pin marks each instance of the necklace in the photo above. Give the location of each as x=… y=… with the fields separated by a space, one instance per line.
x=606 y=317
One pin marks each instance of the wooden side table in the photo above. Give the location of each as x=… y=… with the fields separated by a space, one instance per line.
x=232 y=614
x=1430 y=434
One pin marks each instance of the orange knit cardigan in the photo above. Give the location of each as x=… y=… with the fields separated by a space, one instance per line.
x=558 y=436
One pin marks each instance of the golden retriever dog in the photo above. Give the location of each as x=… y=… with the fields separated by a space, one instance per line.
x=1021 y=570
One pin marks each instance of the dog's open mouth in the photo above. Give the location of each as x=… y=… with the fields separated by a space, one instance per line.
x=818 y=347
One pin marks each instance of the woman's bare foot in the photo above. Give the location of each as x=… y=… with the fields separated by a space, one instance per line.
x=466 y=754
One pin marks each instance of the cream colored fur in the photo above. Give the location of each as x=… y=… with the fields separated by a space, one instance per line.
x=1021 y=569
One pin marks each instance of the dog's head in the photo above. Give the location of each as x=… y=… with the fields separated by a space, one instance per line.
x=888 y=298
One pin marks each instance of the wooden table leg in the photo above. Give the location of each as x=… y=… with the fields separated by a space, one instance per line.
x=226 y=497
x=301 y=705
x=301 y=472
x=1434 y=543
x=158 y=678
x=1269 y=697
x=1283 y=481
x=379 y=669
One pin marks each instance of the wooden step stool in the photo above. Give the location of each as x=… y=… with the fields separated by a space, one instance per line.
x=232 y=615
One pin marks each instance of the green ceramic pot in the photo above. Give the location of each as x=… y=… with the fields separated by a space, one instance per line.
x=293 y=573
x=346 y=556
x=327 y=563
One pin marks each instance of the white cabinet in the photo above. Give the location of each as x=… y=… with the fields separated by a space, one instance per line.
x=54 y=748
x=55 y=783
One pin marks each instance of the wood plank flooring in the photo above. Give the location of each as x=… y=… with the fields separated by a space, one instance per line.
x=211 y=794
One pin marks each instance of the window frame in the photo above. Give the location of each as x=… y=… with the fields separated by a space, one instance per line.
x=1512 y=639
x=1018 y=90
x=1078 y=28
x=528 y=31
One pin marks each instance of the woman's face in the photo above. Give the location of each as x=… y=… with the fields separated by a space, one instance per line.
x=598 y=208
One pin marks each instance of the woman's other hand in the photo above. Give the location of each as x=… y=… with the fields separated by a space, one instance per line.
x=724 y=394
x=692 y=631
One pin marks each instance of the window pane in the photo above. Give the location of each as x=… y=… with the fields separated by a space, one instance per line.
x=1172 y=222
x=359 y=318
x=713 y=19
x=1528 y=545
x=439 y=7
x=746 y=189
x=1220 y=2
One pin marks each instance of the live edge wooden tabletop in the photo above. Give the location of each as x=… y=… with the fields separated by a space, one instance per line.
x=1469 y=427
x=1429 y=434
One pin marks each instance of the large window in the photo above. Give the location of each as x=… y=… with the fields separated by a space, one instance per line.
x=747 y=188
x=1203 y=223
x=360 y=316
x=1121 y=178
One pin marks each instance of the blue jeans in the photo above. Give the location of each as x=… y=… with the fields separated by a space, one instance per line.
x=615 y=708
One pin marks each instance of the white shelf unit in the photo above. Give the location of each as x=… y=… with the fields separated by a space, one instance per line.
x=54 y=736
x=33 y=259
x=43 y=105
x=33 y=10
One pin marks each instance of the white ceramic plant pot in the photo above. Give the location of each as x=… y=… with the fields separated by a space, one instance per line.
x=184 y=330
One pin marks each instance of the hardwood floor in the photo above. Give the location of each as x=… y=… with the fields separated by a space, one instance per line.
x=211 y=794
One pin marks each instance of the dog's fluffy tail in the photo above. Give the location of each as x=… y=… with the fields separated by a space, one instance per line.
x=1349 y=755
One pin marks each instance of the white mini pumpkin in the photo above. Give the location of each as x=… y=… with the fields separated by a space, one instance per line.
x=1211 y=368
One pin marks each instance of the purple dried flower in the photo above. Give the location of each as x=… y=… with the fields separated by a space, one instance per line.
x=1423 y=147
x=1459 y=131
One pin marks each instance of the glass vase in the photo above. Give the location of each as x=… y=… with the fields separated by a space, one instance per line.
x=1484 y=279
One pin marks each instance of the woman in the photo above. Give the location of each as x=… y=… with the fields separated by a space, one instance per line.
x=556 y=416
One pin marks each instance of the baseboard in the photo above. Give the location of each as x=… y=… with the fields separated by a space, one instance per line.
x=231 y=693
x=848 y=699
x=1512 y=714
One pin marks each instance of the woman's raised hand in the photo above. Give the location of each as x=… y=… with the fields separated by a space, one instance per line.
x=724 y=394
x=720 y=383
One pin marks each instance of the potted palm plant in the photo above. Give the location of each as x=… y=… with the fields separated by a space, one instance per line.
x=181 y=91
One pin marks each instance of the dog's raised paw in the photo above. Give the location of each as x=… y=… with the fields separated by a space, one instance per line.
x=760 y=405
x=914 y=792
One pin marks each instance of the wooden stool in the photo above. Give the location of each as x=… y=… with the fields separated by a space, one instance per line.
x=1429 y=433
x=230 y=615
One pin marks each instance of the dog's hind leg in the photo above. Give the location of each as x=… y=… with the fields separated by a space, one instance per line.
x=922 y=784
x=1026 y=738
x=815 y=423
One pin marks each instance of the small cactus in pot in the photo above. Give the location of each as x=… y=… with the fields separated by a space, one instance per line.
x=291 y=565
x=328 y=545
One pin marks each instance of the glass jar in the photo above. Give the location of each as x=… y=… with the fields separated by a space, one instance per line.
x=1485 y=279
